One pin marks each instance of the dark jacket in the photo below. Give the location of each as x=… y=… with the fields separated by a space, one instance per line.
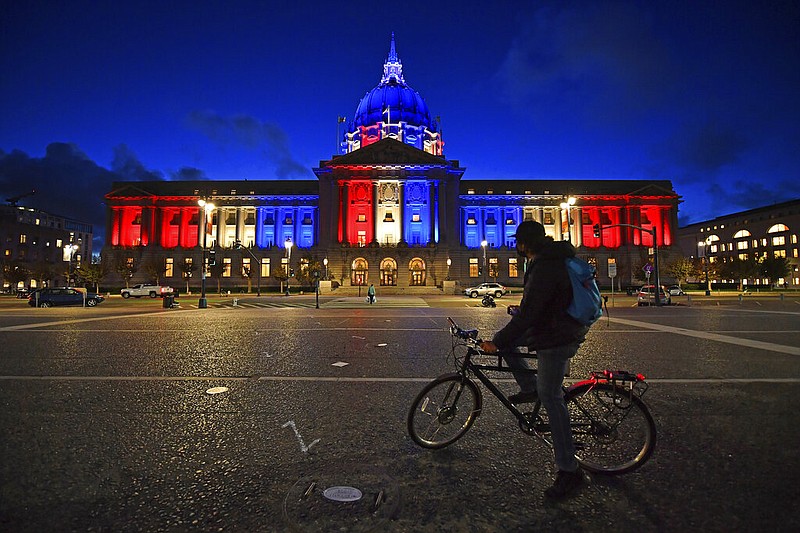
x=542 y=321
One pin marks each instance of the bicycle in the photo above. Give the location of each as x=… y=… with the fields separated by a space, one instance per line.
x=613 y=430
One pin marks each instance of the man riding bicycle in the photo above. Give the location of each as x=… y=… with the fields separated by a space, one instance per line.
x=542 y=324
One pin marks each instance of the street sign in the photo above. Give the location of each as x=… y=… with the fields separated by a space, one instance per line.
x=648 y=268
x=612 y=270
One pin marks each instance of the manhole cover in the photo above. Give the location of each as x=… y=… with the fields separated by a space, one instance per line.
x=355 y=498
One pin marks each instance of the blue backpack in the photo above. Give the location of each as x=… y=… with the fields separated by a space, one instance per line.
x=587 y=304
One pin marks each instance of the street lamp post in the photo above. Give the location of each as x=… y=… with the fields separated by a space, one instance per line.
x=70 y=249
x=288 y=244
x=484 y=244
x=205 y=209
x=325 y=262
x=703 y=245
x=449 y=262
x=569 y=202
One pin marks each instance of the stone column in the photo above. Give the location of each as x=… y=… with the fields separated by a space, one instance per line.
x=432 y=211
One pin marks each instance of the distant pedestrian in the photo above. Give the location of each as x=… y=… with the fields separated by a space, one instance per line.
x=371 y=294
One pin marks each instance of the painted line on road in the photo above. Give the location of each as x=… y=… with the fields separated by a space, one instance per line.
x=707 y=335
x=333 y=379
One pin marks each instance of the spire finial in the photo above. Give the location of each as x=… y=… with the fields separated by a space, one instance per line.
x=392 y=69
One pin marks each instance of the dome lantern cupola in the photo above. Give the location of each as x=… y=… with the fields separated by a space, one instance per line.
x=393 y=109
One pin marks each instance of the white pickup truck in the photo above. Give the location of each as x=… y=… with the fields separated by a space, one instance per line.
x=153 y=291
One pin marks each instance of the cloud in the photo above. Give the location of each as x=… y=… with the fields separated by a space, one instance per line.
x=705 y=147
x=188 y=173
x=128 y=166
x=253 y=134
x=66 y=182
x=601 y=59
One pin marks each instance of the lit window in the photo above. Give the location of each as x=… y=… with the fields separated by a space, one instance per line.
x=168 y=267
x=265 y=267
x=362 y=218
x=494 y=270
x=512 y=268
x=415 y=218
x=779 y=240
x=473 y=267
x=471 y=191
x=362 y=238
x=226 y=267
x=471 y=220
x=246 y=267
x=741 y=245
x=23 y=238
x=777 y=228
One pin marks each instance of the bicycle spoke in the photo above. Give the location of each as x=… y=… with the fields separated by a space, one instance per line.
x=613 y=430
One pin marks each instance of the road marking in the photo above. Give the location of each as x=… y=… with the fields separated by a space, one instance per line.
x=707 y=335
x=333 y=379
x=303 y=447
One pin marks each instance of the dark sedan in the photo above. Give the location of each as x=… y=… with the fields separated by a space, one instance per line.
x=63 y=296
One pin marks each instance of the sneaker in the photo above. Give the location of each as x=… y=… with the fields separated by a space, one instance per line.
x=566 y=484
x=523 y=397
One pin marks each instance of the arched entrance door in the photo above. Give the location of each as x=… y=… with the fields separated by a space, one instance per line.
x=416 y=269
x=358 y=272
x=389 y=272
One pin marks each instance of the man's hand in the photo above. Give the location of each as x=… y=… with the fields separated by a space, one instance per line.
x=513 y=310
x=488 y=347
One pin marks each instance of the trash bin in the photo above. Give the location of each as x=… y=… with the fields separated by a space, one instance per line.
x=168 y=301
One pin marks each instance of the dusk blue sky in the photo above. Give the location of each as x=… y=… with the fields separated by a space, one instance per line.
x=706 y=94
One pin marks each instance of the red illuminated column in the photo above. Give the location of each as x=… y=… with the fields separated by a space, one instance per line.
x=344 y=212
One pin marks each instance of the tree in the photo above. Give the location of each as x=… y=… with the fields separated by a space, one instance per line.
x=187 y=268
x=42 y=272
x=306 y=274
x=155 y=268
x=281 y=275
x=739 y=269
x=124 y=266
x=248 y=272
x=15 y=273
x=92 y=274
x=682 y=269
x=774 y=268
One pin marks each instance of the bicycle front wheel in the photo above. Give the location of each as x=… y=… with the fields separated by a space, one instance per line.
x=443 y=411
x=613 y=430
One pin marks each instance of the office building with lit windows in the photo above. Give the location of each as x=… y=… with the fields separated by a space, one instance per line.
x=390 y=210
x=769 y=231
x=46 y=247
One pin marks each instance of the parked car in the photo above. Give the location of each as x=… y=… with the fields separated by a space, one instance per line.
x=647 y=296
x=495 y=289
x=142 y=289
x=674 y=290
x=63 y=296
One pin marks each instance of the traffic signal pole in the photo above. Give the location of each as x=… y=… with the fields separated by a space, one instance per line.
x=657 y=279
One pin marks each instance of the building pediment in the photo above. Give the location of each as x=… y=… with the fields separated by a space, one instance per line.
x=386 y=152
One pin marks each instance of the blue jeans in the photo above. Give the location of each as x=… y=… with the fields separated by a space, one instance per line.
x=552 y=367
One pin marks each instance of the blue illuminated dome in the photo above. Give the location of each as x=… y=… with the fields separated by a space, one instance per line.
x=393 y=109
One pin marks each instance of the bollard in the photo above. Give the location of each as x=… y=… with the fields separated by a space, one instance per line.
x=740 y=298
x=236 y=302
x=689 y=299
x=781 y=296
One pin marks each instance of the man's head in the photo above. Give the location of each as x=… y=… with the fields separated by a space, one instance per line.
x=530 y=237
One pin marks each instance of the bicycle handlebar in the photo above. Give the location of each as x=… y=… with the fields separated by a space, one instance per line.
x=469 y=335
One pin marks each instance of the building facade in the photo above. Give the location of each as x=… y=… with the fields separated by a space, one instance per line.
x=770 y=231
x=391 y=210
x=40 y=248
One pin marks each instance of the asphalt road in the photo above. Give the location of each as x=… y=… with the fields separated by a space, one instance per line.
x=108 y=423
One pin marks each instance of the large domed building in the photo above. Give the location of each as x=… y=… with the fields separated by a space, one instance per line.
x=389 y=210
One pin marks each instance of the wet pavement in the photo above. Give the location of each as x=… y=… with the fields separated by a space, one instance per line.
x=109 y=423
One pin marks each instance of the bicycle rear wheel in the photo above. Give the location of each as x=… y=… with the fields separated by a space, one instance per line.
x=443 y=411
x=613 y=430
